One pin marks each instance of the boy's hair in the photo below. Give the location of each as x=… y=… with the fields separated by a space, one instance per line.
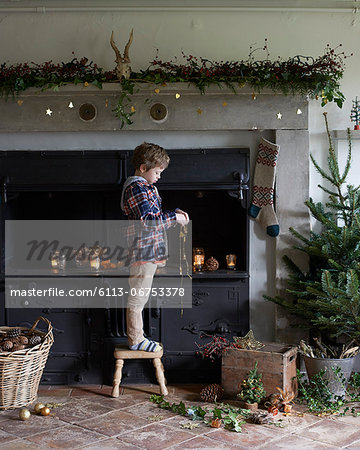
x=151 y=155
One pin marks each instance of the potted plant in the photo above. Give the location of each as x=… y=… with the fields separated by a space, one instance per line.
x=252 y=389
x=326 y=297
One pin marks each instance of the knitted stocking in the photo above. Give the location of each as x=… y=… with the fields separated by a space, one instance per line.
x=261 y=207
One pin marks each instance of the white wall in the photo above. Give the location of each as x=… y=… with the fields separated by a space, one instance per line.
x=219 y=36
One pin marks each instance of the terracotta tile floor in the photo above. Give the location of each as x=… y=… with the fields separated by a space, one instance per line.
x=90 y=418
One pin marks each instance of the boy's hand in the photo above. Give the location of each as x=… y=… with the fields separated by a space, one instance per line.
x=181 y=219
x=180 y=211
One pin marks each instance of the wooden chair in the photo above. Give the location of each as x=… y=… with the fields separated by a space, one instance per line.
x=122 y=352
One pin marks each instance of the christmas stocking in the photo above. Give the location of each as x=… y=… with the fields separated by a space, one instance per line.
x=261 y=207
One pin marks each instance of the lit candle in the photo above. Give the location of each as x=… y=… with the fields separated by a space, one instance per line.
x=231 y=261
x=57 y=260
x=95 y=262
x=198 y=259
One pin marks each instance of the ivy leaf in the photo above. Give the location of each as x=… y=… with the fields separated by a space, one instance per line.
x=97 y=83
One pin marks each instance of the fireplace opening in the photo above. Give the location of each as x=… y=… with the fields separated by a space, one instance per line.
x=213 y=189
x=219 y=222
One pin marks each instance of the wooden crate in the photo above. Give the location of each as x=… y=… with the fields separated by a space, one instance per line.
x=276 y=362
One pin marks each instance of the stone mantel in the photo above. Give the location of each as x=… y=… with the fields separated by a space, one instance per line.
x=218 y=109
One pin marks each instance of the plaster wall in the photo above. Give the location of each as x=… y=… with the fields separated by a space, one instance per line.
x=215 y=35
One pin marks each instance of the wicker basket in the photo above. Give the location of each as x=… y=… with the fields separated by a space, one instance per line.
x=21 y=370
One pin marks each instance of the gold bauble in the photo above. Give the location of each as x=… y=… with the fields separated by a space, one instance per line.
x=45 y=411
x=24 y=414
x=38 y=407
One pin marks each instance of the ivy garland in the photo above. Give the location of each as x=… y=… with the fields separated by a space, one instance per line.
x=316 y=77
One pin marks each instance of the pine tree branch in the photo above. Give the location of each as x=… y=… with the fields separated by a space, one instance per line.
x=348 y=159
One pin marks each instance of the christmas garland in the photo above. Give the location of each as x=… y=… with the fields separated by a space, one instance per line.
x=316 y=77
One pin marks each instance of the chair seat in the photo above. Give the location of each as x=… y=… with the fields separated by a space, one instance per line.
x=123 y=352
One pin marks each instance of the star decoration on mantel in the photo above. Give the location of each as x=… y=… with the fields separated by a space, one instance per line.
x=48 y=112
x=279 y=115
x=248 y=342
x=199 y=111
x=157 y=91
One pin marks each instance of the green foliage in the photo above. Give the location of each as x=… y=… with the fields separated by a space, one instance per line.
x=252 y=388
x=233 y=421
x=123 y=109
x=354 y=387
x=320 y=400
x=317 y=77
x=326 y=296
x=231 y=416
x=317 y=394
x=19 y=77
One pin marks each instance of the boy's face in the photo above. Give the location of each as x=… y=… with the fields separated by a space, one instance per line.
x=151 y=175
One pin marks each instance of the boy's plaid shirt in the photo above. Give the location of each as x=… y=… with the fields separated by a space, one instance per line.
x=146 y=234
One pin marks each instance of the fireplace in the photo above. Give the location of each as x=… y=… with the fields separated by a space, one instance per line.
x=246 y=118
x=87 y=185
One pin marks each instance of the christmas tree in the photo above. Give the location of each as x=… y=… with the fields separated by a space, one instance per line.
x=327 y=296
x=252 y=388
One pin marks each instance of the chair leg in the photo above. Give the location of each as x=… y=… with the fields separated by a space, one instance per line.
x=160 y=375
x=117 y=377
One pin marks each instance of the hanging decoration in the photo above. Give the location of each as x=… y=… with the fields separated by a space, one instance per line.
x=355 y=113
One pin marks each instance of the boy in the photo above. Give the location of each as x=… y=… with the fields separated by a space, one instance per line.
x=140 y=201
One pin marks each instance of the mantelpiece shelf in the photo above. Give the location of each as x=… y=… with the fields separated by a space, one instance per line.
x=221 y=274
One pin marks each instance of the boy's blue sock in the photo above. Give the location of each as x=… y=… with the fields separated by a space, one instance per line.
x=147 y=346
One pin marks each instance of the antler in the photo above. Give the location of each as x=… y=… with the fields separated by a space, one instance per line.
x=127 y=46
x=123 y=69
x=116 y=50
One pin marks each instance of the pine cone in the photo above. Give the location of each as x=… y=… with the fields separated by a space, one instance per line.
x=18 y=347
x=212 y=393
x=212 y=264
x=7 y=346
x=23 y=340
x=261 y=417
x=35 y=340
x=13 y=333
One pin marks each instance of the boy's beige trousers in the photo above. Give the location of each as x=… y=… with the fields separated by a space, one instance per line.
x=141 y=277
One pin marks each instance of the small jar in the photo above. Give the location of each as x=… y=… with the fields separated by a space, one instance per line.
x=198 y=259
x=57 y=260
x=231 y=261
x=95 y=262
